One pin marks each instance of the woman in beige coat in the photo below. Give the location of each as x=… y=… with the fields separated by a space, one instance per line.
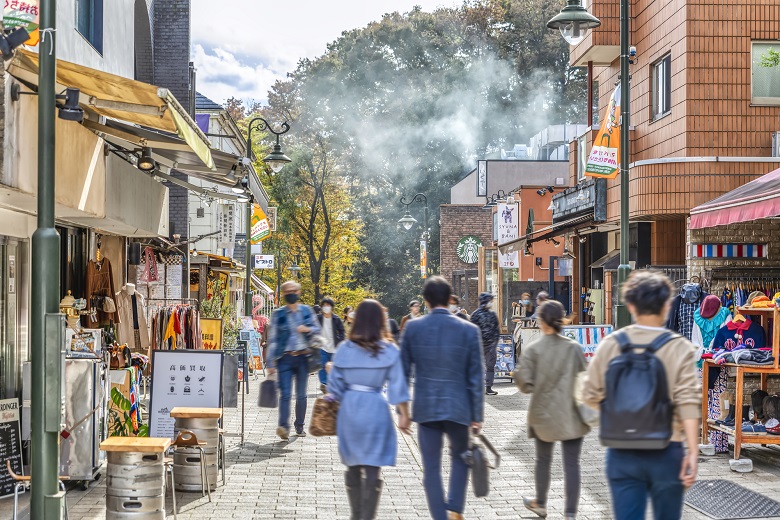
x=548 y=370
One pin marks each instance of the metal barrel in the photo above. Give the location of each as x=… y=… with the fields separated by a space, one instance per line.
x=135 y=480
x=136 y=505
x=129 y=458
x=126 y=515
x=186 y=467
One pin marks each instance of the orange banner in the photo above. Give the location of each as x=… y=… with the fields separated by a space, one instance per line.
x=604 y=158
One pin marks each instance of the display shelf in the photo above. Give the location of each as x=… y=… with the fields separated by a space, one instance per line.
x=741 y=438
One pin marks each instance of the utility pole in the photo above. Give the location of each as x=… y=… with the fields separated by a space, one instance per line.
x=47 y=325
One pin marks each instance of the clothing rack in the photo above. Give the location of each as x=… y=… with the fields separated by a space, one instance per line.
x=158 y=330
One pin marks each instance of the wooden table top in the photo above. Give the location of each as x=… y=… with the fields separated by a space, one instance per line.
x=196 y=413
x=136 y=444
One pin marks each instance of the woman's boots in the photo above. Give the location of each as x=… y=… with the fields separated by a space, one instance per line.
x=363 y=499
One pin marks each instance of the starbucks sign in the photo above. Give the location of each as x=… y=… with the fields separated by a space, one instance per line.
x=468 y=249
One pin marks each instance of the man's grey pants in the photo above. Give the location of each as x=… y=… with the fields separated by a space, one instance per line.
x=490 y=364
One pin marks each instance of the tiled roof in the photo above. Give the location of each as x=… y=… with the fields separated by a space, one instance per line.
x=204 y=103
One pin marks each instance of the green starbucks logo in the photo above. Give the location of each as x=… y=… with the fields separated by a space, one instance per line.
x=468 y=249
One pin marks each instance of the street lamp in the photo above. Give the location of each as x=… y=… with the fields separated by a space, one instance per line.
x=275 y=160
x=572 y=19
x=408 y=221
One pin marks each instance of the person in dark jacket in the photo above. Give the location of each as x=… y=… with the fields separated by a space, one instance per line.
x=445 y=355
x=487 y=321
x=333 y=332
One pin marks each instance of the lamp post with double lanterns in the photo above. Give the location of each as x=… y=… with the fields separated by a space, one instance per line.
x=574 y=21
x=407 y=221
x=276 y=161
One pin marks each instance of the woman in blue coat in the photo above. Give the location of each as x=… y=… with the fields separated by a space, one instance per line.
x=362 y=366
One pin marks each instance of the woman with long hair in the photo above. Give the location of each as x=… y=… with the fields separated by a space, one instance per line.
x=548 y=370
x=362 y=366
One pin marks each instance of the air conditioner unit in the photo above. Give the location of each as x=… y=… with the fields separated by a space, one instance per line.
x=775 y=144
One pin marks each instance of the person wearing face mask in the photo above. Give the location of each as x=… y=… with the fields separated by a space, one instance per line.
x=455 y=308
x=487 y=321
x=291 y=326
x=333 y=332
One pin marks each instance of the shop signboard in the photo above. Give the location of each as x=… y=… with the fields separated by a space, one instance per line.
x=227 y=226
x=271 y=214
x=10 y=444
x=482 y=179
x=468 y=249
x=183 y=377
x=264 y=262
x=211 y=333
x=505 y=357
x=261 y=227
x=508 y=229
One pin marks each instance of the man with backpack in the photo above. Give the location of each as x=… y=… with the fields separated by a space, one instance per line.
x=643 y=379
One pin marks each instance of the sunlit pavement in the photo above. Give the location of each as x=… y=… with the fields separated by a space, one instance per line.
x=303 y=478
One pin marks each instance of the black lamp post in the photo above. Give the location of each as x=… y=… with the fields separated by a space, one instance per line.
x=574 y=21
x=276 y=161
x=407 y=221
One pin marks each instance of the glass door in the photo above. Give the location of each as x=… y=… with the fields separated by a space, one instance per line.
x=13 y=315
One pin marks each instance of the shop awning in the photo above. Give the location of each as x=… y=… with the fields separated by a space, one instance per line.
x=755 y=200
x=610 y=261
x=544 y=233
x=260 y=285
x=168 y=150
x=120 y=98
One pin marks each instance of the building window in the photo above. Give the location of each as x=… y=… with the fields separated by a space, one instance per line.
x=662 y=86
x=765 y=72
x=89 y=22
x=582 y=156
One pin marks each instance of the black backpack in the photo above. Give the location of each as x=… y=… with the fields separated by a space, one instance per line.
x=637 y=412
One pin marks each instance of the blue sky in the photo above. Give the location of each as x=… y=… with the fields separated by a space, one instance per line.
x=241 y=47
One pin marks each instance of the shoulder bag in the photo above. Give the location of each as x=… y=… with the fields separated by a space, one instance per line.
x=324 y=416
x=477 y=460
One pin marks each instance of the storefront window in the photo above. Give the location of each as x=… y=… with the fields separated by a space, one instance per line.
x=491 y=271
x=765 y=73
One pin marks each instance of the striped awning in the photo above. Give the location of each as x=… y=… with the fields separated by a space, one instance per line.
x=755 y=200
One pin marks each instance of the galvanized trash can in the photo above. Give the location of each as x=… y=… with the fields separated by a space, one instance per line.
x=186 y=460
x=135 y=486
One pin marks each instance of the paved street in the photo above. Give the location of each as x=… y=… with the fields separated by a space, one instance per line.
x=302 y=479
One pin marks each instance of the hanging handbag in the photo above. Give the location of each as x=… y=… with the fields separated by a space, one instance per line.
x=314 y=358
x=120 y=357
x=477 y=460
x=324 y=416
x=268 y=396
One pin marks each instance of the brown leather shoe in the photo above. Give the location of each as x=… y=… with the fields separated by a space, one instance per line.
x=452 y=515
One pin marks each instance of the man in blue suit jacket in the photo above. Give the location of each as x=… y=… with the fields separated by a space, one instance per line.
x=444 y=353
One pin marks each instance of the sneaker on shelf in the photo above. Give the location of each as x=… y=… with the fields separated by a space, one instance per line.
x=772 y=423
x=283 y=433
x=531 y=505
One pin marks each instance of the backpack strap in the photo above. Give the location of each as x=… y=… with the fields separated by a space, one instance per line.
x=625 y=344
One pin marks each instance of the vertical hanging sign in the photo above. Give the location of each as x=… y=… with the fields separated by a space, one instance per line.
x=423 y=258
x=23 y=13
x=481 y=178
x=261 y=227
x=227 y=226
x=604 y=158
x=508 y=228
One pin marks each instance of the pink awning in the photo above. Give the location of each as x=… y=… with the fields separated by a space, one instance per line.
x=755 y=200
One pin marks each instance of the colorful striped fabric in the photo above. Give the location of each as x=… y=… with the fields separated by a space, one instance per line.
x=588 y=336
x=729 y=250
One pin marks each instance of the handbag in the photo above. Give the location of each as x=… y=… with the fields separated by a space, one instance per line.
x=588 y=415
x=324 y=416
x=120 y=357
x=268 y=396
x=314 y=358
x=477 y=460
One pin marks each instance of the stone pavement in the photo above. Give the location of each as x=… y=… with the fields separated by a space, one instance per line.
x=303 y=478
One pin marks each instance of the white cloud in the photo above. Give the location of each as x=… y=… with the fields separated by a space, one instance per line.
x=255 y=42
x=222 y=75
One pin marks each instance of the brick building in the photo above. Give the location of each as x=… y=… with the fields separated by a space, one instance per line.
x=703 y=111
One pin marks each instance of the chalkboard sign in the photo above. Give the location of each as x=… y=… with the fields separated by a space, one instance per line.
x=254 y=344
x=10 y=444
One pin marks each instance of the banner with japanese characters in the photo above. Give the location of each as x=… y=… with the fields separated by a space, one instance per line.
x=604 y=158
x=23 y=13
x=261 y=227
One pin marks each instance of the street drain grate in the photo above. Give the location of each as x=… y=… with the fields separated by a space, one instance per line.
x=724 y=500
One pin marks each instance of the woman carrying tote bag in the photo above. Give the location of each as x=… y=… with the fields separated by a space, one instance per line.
x=362 y=365
x=548 y=370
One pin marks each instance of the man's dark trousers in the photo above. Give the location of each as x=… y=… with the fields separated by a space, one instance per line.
x=431 y=437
